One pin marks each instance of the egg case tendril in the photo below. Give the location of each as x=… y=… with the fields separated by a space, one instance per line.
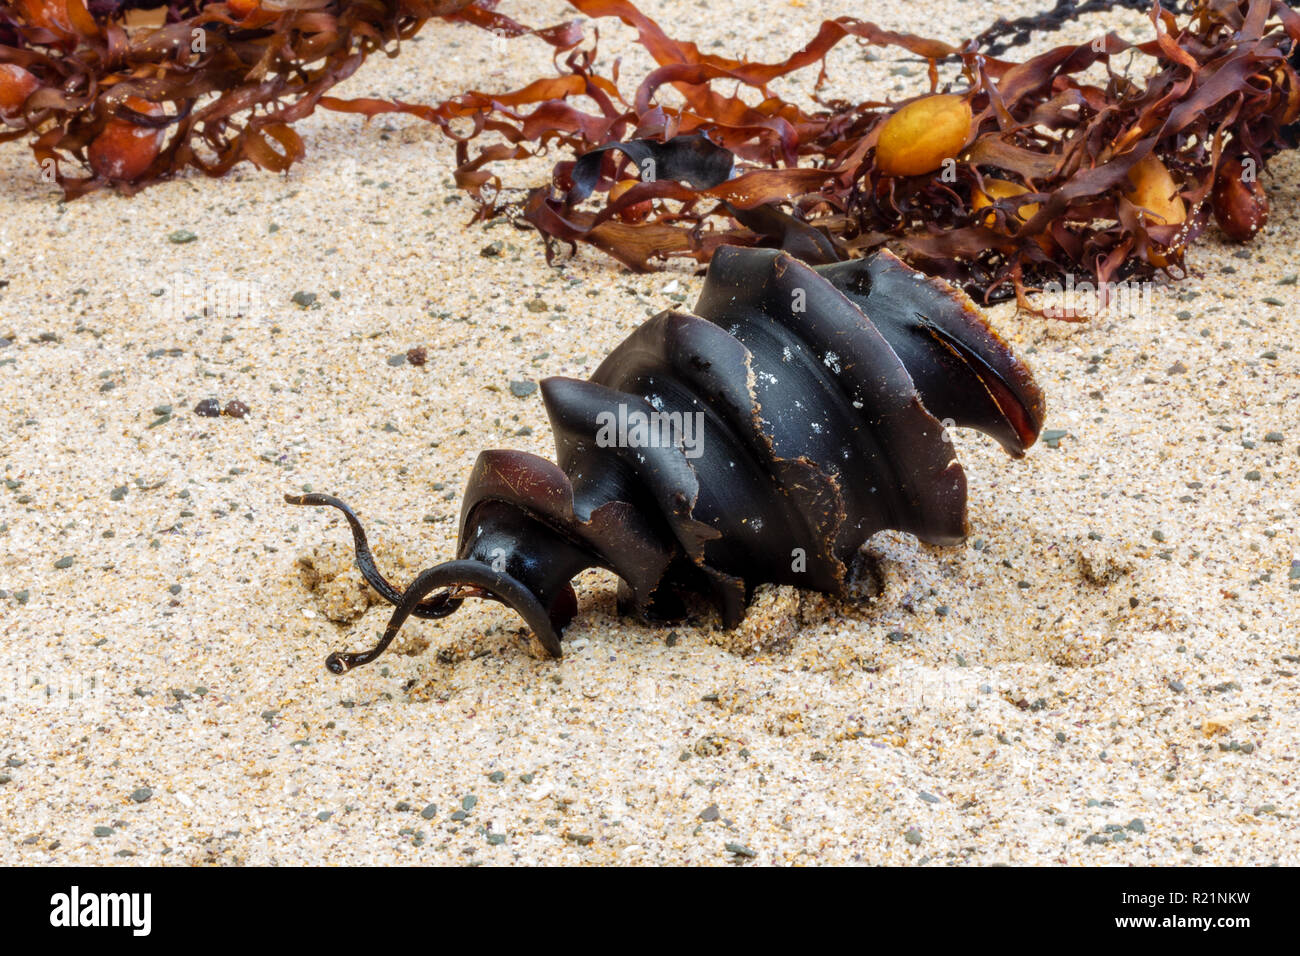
x=822 y=394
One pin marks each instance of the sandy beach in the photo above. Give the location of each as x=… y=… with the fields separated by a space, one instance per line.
x=1105 y=673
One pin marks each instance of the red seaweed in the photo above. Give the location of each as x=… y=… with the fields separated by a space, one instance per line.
x=1071 y=151
x=1054 y=176
x=111 y=100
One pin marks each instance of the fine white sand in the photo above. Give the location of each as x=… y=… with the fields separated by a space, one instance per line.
x=1117 y=641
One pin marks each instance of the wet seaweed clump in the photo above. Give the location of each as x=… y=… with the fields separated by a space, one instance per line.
x=125 y=93
x=1106 y=158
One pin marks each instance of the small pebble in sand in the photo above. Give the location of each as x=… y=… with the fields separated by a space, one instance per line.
x=235 y=409
x=208 y=408
x=417 y=356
